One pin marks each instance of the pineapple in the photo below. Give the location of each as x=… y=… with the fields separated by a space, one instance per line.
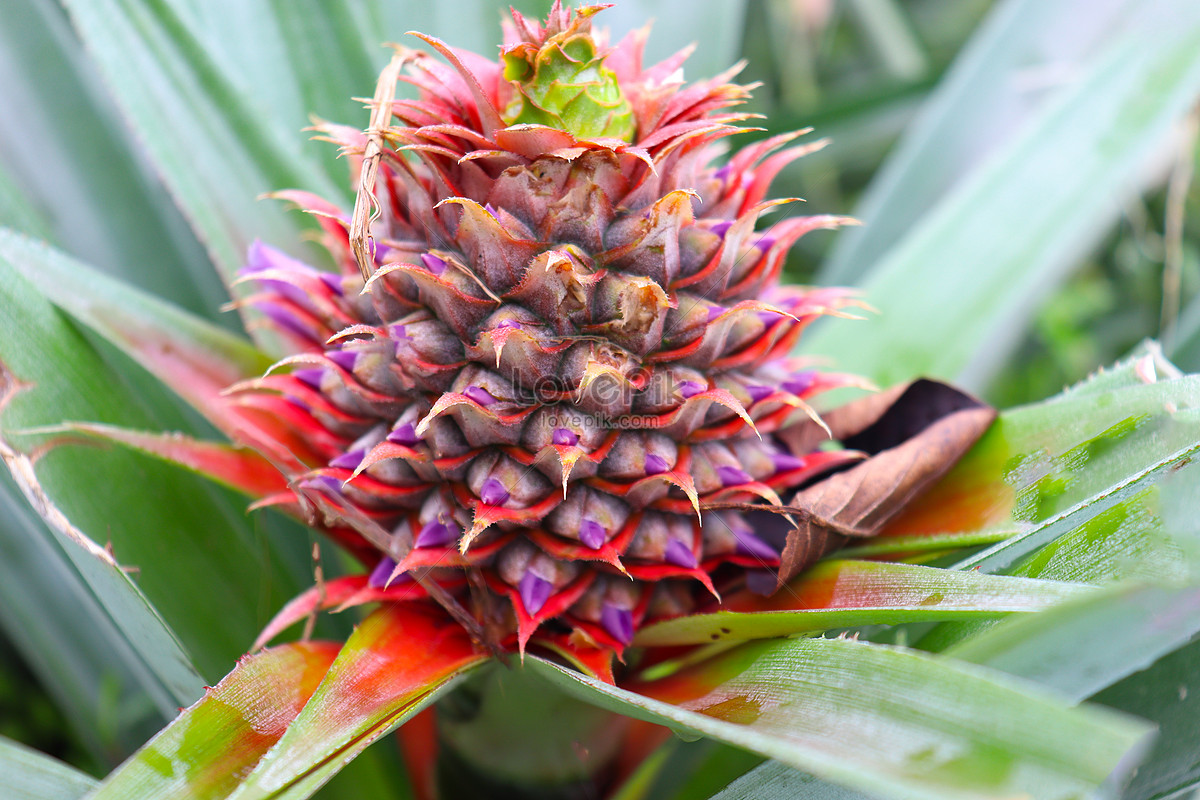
x=553 y=384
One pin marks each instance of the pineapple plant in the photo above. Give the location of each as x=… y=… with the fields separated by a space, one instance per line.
x=547 y=401
x=550 y=385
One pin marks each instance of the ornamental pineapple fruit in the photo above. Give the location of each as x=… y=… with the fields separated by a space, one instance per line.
x=552 y=387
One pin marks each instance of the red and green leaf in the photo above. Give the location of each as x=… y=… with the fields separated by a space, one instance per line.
x=1042 y=463
x=398 y=661
x=287 y=719
x=215 y=560
x=193 y=357
x=209 y=748
x=236 y=467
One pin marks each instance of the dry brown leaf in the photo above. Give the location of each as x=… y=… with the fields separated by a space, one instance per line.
x=913 y=434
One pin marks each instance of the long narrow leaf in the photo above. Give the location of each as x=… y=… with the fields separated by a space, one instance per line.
x=130 y=609
x=210 y=746
x=77 y=166
x=1041 y=466
x=1152 y=538
x=215 y=150
x=980 y=104
x=883 y=720
x=843 y=594
x=397 y=662
x=1073 y=648
x=1168 y=693
x=17 y=210
x=219 y=561
x=112 y=696
x=28 y=775
x=776 y=781
x=1117 y=539
x=190 y=355
x=955 y=293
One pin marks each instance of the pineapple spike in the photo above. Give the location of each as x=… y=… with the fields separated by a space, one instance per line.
x=481 y=523
x=354 y=331
x=811 y=413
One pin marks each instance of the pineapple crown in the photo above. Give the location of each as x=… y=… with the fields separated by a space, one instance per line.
x=555 y=393
x=560 y=80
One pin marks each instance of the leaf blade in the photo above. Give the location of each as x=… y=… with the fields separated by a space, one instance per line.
x=775 y=781
x=214 y=150
x=1041 y=465
x=882 y=719
x=193 y=357
x=68 y=637
x=149 y=330
x=397 y=661
x=97 y=198
x=976 y=108
x=218 y=557
x=1071 y=649
x=844 y=594
x=200 y=754
x=30 y=775
x=941 y=320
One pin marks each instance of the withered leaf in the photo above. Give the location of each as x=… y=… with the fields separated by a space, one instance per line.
x=912 y=434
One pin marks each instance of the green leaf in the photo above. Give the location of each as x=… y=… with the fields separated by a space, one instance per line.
x=1138 y=525
x=775 y=781
x=297 y=60
x=17 y=210
x=1076 y=648
x=77 y=177
x=198 y=557
x=639 y=785
x=206 y=751
x=29 y=775
x=954 y=294
x=190 y=355
x=843 y=594
x=330 y=54
x=1113 y=540
x=214 y=147
x=1167 y=693
x=883 y=720
x=136 y=618
x=981 y=103
x=695 y=770
x=399 y=661
x=109 y=693
x=1073 y=647
x=1047 y=468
